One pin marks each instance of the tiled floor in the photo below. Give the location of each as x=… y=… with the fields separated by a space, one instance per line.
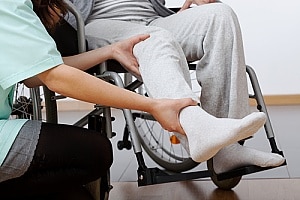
x=286 y=125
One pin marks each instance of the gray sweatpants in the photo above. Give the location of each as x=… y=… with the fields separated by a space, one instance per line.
x=209 y=33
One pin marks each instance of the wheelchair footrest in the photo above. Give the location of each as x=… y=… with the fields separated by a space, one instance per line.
x=243 y=171
x=150 y=176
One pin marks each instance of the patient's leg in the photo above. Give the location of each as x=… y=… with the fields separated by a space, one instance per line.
x=211 y=33
x=165 y=74
x=162 y=63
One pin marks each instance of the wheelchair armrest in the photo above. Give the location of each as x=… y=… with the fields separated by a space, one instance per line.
x=80 y=26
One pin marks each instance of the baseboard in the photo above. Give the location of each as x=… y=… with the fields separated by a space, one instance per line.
x=280 y=100
x=270 y=100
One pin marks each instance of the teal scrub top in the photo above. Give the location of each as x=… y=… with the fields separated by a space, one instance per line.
x=26 y=49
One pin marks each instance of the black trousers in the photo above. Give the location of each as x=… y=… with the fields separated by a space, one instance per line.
x=65 y=159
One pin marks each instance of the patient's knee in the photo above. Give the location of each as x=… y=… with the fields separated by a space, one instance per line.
x=222 y=11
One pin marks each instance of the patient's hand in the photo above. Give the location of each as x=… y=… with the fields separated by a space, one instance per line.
x=188 y=3
x=123 y=53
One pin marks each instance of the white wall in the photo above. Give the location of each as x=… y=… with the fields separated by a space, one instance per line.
x=271 y=32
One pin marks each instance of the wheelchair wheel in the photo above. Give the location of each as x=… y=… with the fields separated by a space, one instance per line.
x=29 y=103
x=226 y=184
x=158 y=144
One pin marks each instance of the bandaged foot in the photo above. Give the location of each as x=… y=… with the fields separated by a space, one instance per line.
x=207 y=134
x=236 y=155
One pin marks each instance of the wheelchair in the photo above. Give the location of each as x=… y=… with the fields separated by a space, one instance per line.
x=141 y=130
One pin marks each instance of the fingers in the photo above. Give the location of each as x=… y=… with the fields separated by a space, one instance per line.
x=188 y=102
x=186 y=5
x=135 y=71
x=144 y=36
x=131 y=65
x=169 y=118
x=180 y=130
x=184 y=103
x=139 y=38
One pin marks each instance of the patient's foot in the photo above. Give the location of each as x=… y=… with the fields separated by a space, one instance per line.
x=207 y=134
x=236 y=155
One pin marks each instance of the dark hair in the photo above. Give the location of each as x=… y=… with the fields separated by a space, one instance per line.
x=43 y=10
